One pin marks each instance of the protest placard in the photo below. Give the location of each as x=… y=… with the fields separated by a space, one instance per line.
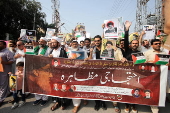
x=77 y=54
x=49 y=33
x=31 y=35
x=149 y=32
x=23 y=35
x=107 y=50
x=13 y=82
x=111 y=28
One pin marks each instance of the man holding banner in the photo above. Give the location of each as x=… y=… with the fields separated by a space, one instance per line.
x=134 y=44
x=95 y=54
x=57 y=52
x=150 y=57
x=42 y=51
x=76 y=53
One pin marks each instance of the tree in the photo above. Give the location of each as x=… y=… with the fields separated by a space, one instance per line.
x=19 y=14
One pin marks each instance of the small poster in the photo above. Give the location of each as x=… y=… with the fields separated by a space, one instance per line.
x=77 y=54
x=149 y=32
x=23 y=35
x=111 y=28
x=107 y=50
x=1 y=66
x=138 y=58
x=120 y=27
x=31 y=35
x=161 y=59
x=23 y=32
x=13 y=82
x=49 y=33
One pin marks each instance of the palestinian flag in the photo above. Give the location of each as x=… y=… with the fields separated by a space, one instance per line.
x=29 y=50
x=158 y=33
x=138 y=58
x=78 y=35
x=161 y=59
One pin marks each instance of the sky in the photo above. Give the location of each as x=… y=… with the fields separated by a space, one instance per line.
x=93 y=13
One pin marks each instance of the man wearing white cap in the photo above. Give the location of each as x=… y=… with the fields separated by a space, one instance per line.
x=56 y=45
x=58 y=51
x=42 y=50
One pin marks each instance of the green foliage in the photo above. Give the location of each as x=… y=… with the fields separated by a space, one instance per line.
x=19 y=14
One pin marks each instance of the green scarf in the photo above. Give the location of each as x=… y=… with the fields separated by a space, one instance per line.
x=36 y=49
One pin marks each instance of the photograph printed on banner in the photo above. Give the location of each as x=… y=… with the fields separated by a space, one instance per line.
x=111 y=28
x=107 y=50
x=149 y=32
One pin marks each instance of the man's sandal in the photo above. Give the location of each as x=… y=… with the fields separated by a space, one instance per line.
x=55 y=106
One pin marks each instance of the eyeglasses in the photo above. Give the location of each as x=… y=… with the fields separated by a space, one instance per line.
x=157 y=43
x=96 y=40
x=18 y=45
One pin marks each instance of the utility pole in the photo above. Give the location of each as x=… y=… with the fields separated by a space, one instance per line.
x=158 y=13
x=153 y=19
x=141 y=14
x=56 y=16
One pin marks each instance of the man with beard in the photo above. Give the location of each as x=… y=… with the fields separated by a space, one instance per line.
x=95 y=54
x=74 y=47
x=150 y=57
x=41 y=50
x=145 y=43
x=58 y=51
x=133 y=48
x=6 y=61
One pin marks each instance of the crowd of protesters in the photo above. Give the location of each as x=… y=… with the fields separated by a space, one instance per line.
x=13 y=57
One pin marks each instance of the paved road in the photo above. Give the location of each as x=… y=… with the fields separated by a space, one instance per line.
x=29 y=108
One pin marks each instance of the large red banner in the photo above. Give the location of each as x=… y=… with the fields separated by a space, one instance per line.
x=93 y=79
